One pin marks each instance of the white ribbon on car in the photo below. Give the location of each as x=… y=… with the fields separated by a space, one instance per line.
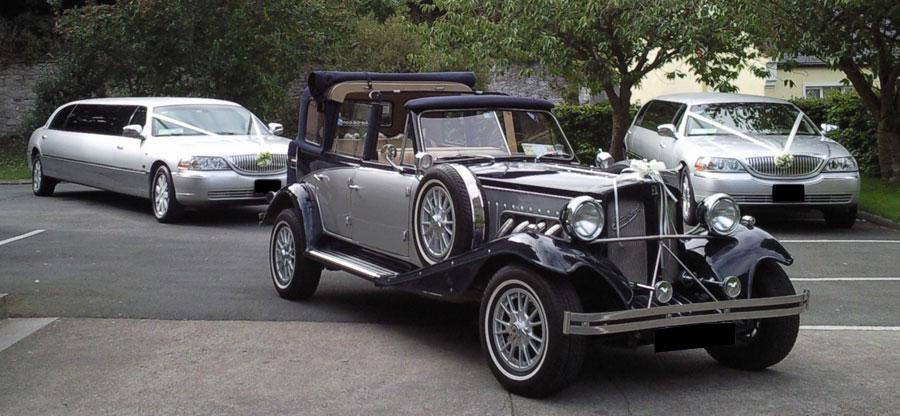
x=640 y=170
x=785 y=150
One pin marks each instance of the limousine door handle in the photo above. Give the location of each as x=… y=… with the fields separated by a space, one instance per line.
x=43 y=137
x=319 y=177
x=119 y=147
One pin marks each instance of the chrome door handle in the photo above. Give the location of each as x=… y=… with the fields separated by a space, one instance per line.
x=662 y=146
x=43 y=137
x=352 y=186
x=320 y=178
x=119 y=147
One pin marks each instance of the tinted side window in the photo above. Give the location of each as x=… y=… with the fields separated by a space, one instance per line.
x=100 y=119
x=59 y=121
x=659 y=112
x=139 y=117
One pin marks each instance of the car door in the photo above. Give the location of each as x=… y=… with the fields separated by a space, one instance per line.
x=128 y=160
x=669 y=113
x=53 y=141
x=640 y=140
x=381 y=200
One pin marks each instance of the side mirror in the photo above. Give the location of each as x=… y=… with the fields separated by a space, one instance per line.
x=133 y=130
x=603 y=160
x=276 y=129
x=828 y=127
x=666 y=130
x=390 y=153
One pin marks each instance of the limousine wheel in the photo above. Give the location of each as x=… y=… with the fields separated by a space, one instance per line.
x=162 y=195
x=41 y=185
x=295 y=277
x=768 y=341
x=688 y=204
x=443 y=215
x=521 y=332
x=840 y=217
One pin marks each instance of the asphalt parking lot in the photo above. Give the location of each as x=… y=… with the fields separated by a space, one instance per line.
x=154 y=318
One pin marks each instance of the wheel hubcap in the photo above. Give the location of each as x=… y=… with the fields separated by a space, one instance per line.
x=437 y=225
x=518 y=329
x=283 y=254
x=36 y=176
x=161 y=195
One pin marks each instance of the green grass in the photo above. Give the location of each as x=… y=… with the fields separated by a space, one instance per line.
x=12 y=159
x=880 y=198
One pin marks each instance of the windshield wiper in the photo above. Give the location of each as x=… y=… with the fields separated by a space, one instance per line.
x=553 y=155
x=463 y=157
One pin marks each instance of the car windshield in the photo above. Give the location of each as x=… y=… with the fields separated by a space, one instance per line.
x=748 y=118
x=496 y=133
x=201 y=120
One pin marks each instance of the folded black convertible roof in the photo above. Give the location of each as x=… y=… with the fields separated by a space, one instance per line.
x=319 y=82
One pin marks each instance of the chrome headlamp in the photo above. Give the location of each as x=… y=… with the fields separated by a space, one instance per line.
x=204 y=163
x=583 y=218
x=720 y=213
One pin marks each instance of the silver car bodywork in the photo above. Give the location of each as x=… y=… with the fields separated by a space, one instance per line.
x=125 y=164
x=757 y=154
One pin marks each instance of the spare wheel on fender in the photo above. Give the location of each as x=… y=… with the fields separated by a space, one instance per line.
x=448 y=215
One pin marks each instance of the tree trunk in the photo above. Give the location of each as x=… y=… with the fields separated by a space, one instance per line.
x=885 y=148
x=892 y=136
x=621 y=106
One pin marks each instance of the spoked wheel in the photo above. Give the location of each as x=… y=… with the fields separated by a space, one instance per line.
x=295 y=277
x=764 y=342
x=437 y=224
x=162 y=195
x=443 y=215
x=41 y=185
x=521 y=332
x=688 y=205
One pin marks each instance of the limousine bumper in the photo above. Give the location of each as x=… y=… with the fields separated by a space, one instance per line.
x=198 y=188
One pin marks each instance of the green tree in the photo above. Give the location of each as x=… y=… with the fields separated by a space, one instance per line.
x=859 y=37
x=607 y=46
x=242 y=50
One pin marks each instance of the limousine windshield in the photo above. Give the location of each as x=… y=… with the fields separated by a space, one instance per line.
x=203 y=120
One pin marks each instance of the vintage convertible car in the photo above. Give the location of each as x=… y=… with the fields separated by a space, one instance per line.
x=417 y=183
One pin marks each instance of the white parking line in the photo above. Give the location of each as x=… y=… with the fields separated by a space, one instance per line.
x=842 y=241
x=20 y=237
x=845 y=279
x=849 y=328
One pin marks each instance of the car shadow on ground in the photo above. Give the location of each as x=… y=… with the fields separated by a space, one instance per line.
x=211 y=216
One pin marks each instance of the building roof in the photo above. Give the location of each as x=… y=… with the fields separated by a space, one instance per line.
x=154 y=101
x=477 y=101
x=694 y=98
x=802 y=60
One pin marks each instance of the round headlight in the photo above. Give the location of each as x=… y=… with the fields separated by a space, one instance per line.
x=583 y=218
x=720 y=213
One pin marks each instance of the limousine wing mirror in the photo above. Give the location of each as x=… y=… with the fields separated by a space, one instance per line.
x=666 y=130
x=133 y=130
x=276 y=129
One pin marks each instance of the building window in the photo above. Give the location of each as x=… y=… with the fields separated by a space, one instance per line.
x=822 y=91
x=772 y=74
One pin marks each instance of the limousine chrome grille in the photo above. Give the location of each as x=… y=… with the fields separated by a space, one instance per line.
x=803 y=165
x=251 y=165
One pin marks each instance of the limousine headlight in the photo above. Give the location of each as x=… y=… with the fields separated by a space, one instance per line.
x=204 y=163
x=583 y=218
x=720 y=213
x=841 y=164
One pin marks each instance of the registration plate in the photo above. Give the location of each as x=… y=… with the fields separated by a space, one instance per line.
x=694 y=336
x=788 y=193
x=262 y=186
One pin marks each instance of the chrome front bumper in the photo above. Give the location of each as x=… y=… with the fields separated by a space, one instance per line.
x=605 y=323
x=195 y=188
x=830 y=188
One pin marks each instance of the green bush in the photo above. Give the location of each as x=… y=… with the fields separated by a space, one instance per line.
x=856 y=126
x=588 y=127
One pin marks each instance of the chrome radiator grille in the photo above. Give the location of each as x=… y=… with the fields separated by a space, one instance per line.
x=248 y=164
x=803 y=165
x=630 y=256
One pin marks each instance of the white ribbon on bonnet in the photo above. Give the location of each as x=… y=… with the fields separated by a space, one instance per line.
x=640 y=170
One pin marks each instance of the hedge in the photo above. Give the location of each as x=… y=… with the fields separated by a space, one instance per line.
x=588 y=127
x=856 y=126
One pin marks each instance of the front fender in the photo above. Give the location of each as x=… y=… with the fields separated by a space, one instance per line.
x=558 y=257
x=300 y=198
x=736 y=255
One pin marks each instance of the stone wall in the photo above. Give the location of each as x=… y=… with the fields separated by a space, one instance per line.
x=533 y=85
x=17 y=97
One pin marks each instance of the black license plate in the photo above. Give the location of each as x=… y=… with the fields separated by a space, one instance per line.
x=694 y=336
x=788 y=193
x=262 y=186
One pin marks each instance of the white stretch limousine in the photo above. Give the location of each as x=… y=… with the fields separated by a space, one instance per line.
x=176 y=151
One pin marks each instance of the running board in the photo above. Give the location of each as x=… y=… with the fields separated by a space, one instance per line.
x=350 y=264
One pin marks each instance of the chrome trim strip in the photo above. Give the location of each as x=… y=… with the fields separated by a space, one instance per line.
x=350 y=264
x=661 y=317
x=476 y=200
x=96 y=165
x=497 y=188
x=654 y=237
